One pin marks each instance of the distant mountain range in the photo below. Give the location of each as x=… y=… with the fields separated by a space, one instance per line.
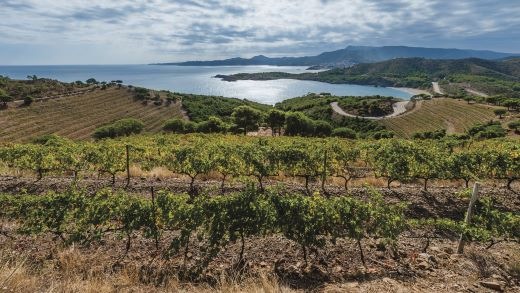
x=354 y=55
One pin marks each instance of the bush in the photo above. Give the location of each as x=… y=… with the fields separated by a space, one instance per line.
x=141 y=93
x=212 y=125
x=175 y=126
x=123 y=127
x=437 y=134
x=515 y=125
x=27 y=101
x=382 y=134
x=179 y=126
x=344 y=132
x=322 y=128
x=487 y=130
x=4 y=98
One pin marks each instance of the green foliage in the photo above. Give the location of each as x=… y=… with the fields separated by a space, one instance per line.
x=322 y=128
x=276 y=120
x=344 y=132
x=296 y=123
x=28 y=100
x=200 y=108
x=437 y=134
x=500 y=112
x=123 y=127
x=487 y=130
x=212 y=125
x=246 y=118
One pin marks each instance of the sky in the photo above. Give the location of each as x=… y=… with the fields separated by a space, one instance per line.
x=137 y=32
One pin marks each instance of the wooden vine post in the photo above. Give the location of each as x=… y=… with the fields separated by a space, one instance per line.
x=469 y=214
x=127 y=165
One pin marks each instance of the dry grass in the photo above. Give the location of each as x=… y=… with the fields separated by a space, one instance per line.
x=78 y=116
x=453 y=115
x=72 y=271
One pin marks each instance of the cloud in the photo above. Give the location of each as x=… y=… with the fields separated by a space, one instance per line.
x=170 y=30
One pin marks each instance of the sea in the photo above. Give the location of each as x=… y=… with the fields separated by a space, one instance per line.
x=200 y=80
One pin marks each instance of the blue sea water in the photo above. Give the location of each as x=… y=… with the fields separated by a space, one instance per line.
x=200 y=80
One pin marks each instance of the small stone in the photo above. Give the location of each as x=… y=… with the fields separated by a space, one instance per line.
x=263 y=264
x=337 y=269
x=388 y=280
x=189 y=255
x=351 y=284
x=492 y=285
x=448 y=250
x=424 y=265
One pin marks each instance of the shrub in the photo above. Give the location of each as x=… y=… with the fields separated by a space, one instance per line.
x=322 y=128
x=344 y=132
x=27 y=101
x=179 y=126
x=382 y=134
x=123 y=127
x=515 y=125
x=92 y=81
x=4 y=98
x=487 y=130
x=141 y=93
x=437 y=134
x=212 y=125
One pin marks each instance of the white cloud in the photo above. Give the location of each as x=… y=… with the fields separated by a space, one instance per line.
x=162 y=30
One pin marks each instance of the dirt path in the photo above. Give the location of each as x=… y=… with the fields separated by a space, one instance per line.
x=437 y=88
x=399 y=108
x=477 y=93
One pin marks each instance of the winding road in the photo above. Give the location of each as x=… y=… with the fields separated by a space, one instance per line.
x=399 y=108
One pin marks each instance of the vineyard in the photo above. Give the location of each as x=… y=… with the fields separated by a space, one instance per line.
x=455 y=116
x=77 y=117
x=236 y=157
x=306 y=236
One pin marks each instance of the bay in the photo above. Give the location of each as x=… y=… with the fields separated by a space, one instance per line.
x=200 y=80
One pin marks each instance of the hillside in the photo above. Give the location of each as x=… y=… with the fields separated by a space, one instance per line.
x=78 y=116
x=492 y=77
x=453 y=115
x=353 y=55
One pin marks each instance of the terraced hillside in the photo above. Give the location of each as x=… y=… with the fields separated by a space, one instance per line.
x=453 y=115
x=78 y=116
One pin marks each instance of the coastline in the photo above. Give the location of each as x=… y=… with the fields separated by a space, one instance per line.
x=412 y=91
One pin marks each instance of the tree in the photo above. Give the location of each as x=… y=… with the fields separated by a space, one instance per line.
x=92 y=81
x=4 y=98
x=322 y=128
x=500 y=112
x=212 y=125
x=276 y=120
x=297 y=123
x=246 y=117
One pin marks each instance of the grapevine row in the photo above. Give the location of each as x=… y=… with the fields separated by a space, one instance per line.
x=309 y=159
x=310 y=221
